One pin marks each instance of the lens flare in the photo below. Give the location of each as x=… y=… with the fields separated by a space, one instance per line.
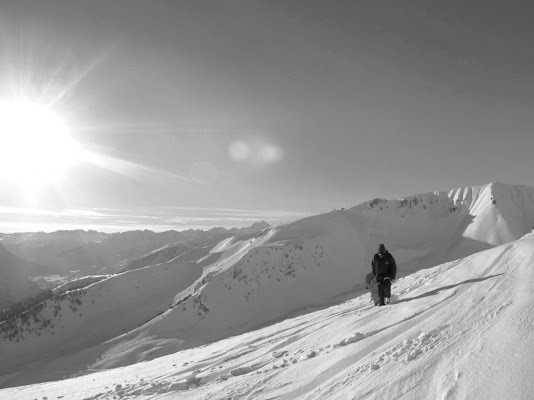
x=239 y=150
x=255 y=152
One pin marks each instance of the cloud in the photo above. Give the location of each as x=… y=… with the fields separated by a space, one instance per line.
x=131 y=169
x=203 y=173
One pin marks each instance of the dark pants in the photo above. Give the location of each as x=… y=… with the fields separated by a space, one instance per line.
x=384 y=290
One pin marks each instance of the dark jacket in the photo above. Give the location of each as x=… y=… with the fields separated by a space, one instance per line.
x=384 y=266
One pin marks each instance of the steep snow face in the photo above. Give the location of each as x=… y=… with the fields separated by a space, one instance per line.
x=498 y=214
x=461 y=330
x=516 y=205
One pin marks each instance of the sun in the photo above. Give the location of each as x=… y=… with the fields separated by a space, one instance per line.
x=36 y=143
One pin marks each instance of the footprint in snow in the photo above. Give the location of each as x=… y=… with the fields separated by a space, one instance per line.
x=310 y=354
x=245 y=370
x=356 y=337
x=282 y=364
x=278 y=353
x=240 y=371
x=411 y=348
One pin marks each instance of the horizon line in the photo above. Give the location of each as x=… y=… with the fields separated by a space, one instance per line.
x=156 y=219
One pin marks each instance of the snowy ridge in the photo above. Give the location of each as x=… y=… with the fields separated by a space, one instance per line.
x=78 y=283
x=480 y=216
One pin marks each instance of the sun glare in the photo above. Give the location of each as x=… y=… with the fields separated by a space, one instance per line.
x=36 y=144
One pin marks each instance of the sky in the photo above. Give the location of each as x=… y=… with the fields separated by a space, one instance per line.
x=217 y=113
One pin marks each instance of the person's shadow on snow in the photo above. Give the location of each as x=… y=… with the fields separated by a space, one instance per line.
x=436 y=291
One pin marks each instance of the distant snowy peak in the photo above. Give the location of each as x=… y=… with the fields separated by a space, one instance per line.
x=255 y=227
x=42 y=238
x=197 y=248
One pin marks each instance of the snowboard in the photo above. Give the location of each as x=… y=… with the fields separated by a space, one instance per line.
x=372 y=286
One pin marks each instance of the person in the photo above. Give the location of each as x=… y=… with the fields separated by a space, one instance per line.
x=385 y=270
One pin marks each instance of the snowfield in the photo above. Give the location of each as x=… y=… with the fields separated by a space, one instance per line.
x=283 y=314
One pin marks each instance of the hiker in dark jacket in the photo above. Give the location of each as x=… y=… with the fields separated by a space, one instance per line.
x=385 y=270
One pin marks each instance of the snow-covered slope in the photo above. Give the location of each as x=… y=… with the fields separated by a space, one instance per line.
x=460 y=330
x=78 y=319
x=246 y=284
x=163 y=254
x=77 y=327
x=78 y=283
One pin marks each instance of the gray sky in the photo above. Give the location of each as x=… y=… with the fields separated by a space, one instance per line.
x=293 y=106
